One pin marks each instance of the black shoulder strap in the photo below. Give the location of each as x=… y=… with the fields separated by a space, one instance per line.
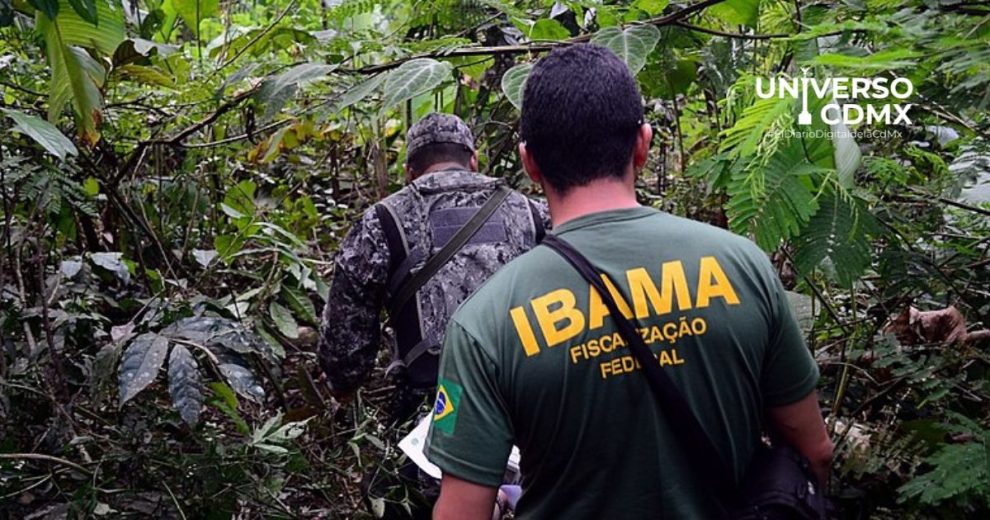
x=712 y=468
x=397 y=249
x=456 y=242
x=539 y=230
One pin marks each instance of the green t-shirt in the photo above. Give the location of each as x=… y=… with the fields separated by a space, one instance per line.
x=533 y=359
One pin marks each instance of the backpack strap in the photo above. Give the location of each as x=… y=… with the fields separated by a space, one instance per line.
x=433 y=265
x=398 y=248
x=539 y=230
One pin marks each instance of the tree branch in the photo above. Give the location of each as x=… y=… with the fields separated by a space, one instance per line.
x=49 y=458
x=670 y=19
x=738 y=36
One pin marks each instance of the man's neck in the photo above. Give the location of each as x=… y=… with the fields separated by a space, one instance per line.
x=598 y=196
x=449 y=165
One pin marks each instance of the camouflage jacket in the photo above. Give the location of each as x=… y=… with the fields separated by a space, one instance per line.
x=350 y=334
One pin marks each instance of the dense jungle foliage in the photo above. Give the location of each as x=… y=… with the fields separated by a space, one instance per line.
x=175 y=176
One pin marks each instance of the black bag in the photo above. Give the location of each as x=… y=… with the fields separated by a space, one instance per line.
x=779 y=483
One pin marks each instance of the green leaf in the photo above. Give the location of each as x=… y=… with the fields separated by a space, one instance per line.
x=632 y=45
x=193 y=12
x=880 y=61
x=549 y=30
x=514 y=83
x=48 y=7
x=43 y=132
x=86 y=9
x=737 y=12
x=773 y=200
x=651 y=7
x=361 y=91
x=185 y=384
x=76 y=76
x=147 y=75
x=836 y=238
x=300 y=304
x=412 y=78
x=91 y=186
x=140 y=365
x=273 y=89
x=240 y=198
x=283 y=320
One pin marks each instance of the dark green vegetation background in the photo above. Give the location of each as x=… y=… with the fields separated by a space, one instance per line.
x=175 y=176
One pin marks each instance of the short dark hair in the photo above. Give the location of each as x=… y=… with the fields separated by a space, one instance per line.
x=431 y=154
x=581 y=113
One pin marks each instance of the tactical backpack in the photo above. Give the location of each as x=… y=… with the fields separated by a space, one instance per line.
x=452 y=229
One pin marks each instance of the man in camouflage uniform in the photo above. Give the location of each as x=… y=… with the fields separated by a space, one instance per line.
x=394 y=239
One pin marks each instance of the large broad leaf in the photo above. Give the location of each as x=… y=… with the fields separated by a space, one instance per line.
x=86 y=9
x=361 y=91
x=43 y=132
x=193 y=12
x=283 y=320
x=276 y=91
x=48 y=7
x=185 y=384
x=514 y=83
x=836 y=239
x=76 y=76
x=241 y=379
x=219 y=335
x=412 y=78
x=737 y=12
x=633 y=44
x=548 y=30
x=140 y=364
x=300 y=304
x=831 y=146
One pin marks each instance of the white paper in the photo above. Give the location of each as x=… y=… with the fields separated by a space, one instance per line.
x=414 y=445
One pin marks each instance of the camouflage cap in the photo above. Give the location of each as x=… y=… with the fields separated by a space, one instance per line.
x=438 y=128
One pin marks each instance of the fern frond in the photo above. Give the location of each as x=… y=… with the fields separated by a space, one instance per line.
x=760 y=128
x=837 y=238
x=772 y=201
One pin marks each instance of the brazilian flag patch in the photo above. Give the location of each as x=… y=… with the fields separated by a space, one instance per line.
x=445 y=408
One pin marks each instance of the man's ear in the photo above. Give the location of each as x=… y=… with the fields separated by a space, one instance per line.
x=529 y=164
x=474 y=161
x=642 y=149
x=409 y=173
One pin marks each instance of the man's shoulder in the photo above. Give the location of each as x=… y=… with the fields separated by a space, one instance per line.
x=499 y=288
x=715 y=239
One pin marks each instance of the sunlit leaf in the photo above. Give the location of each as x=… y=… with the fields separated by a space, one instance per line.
x=737 y=12
x=547 y=29
x=283 y=319
x=514 y=83
x=361 y=90
x=76 y=76
x=193 y=12
x=43 y=132
x=633 y=44
x=412 y=78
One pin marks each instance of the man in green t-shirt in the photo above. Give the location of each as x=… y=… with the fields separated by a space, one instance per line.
x=534 y=359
